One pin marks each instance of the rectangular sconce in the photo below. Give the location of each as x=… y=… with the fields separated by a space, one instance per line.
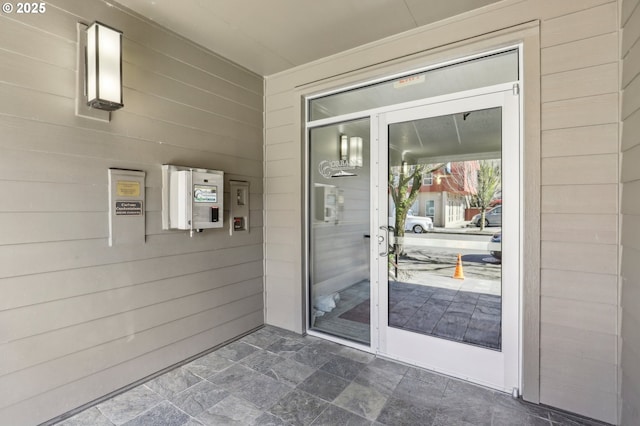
x=351 y=150
x=355 y=151
x=104 y=67
x=344 y=147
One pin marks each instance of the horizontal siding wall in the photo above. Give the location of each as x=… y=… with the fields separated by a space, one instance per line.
x=79 y=319
x=579 y=206
x=630 y=267
x=578 y=189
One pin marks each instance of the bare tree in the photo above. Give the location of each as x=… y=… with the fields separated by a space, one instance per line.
x=463 y=181
x=404 y=192
x=489 y=183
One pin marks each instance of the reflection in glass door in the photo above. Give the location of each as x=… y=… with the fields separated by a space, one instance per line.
x=339 y=241
x=449 y=298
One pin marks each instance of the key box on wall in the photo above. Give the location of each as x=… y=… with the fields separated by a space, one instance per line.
x=192 y=199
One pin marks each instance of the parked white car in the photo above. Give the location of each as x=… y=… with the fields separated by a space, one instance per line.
x=417 y=224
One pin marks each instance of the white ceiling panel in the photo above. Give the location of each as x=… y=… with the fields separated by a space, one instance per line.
x=269 y=36
x=429 y=11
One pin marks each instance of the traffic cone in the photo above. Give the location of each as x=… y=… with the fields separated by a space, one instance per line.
x=458 y=274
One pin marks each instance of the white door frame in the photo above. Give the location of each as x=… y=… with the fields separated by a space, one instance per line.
x=499 y=370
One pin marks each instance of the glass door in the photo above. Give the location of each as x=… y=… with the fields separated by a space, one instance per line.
x=448 y=273
x=339 y=230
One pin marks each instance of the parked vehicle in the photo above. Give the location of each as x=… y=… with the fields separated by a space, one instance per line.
x=497 y=238
x=492 y=217
x=417 y=224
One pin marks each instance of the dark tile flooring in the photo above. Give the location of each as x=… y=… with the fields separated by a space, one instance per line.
x=274 y=377
x=462 y=316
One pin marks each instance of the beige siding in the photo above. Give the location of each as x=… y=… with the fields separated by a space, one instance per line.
x=80 y=319
x=578 y=192
x=630 y=209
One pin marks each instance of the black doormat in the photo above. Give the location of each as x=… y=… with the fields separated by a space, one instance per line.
x=359 y=313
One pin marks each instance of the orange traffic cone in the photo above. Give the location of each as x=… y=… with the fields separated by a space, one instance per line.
x=458 y=274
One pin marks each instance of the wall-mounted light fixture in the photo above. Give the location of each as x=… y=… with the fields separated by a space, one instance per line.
x=104 y=67
x=351 y=150
x=344 y=147
x=355 y=151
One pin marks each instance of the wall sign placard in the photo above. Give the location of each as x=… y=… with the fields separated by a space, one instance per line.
x=126 y=188
x=129 y=208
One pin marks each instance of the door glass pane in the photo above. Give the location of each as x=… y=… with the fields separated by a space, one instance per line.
x=472 y=74
x=445 y=273
x=339 y=186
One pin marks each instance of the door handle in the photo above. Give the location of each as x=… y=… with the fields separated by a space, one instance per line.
x=384 y=239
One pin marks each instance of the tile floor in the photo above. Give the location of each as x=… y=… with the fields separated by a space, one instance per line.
x=454 y=314
x=274 y=377
x=462 y=316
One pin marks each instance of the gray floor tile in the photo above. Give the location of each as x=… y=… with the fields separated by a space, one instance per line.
x=268 y=419
x=508 y=402
x=290 y=372
x=324 y=385
x=429 y=394
x=425 y=319
x=262 y=338
x=343 y=367
x=199 y=398
x=392 y=366
x=333 y=416
x=126 y=406
x=444 y=295
x=299 y=408
x=461 y=308
x=467 y=403
x=236 y=351
x=173 y=382
x=466 y=297
x=263 y=391
x=444 y=420
x=382 y=392
x=165 y=414
x=507 y=417
x=262 y=361
x=405 y=307
x=452 y=325
x=400 y=412
x=234 y=377
x=355 y=354
x=484 y=333
x=436 y=381
x=193 y=422
x=398 y=319
x=208 y=365
x=285 y=347
x=487 y=310
x=462 y=389
x=230 y=411
x=362 y=400
x=89 y=417
x=313 y=356
x=384 y=381
x=328 y=346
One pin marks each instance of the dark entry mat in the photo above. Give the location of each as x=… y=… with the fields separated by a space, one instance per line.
x=360 y=313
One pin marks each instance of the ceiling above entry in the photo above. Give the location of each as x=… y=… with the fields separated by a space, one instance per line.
x=270 y=36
